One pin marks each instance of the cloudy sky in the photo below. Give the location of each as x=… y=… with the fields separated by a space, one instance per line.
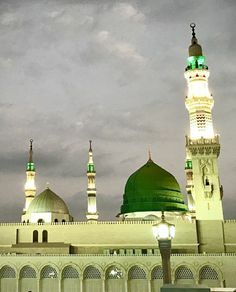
x=110 y=71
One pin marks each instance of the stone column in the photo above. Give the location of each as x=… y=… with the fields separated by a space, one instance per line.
x=59 y=284
x=81 y=284
x=103 y=284
x=38 y=285
x=17 y=284
x=126 y=284
x=149 y=285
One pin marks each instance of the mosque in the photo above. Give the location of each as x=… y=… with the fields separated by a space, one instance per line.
x=48 y=251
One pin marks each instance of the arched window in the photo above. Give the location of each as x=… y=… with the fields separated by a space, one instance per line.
x=56 y=220
x=35 y=236
x=183 y=273
x=48 y=272
x=92 y=273
x=63 y=220
x=114 y=273
x=157 y=273
x=70 y=273
x=208 y=273
x=41 y=221
x=137 y=272
x=45 y=236
x=27 y=272
x=7 y=272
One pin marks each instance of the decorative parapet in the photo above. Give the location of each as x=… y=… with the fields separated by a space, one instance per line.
x=120 y=255
x=230 y=221
x=80 y=223
x=127 y=222
x=203 y=146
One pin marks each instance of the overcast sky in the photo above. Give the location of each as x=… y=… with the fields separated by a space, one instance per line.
x=110 y=71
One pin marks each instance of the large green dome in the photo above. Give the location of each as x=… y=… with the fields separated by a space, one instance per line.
x=151 y=188
x=48 y=201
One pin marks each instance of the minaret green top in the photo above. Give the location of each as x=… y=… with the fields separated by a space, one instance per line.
x=196 y=60
x=90 y=165
x=30 y=165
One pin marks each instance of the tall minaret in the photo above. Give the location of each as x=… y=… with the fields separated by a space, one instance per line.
x=30 y=188
x=92 y=213
x=202 y=145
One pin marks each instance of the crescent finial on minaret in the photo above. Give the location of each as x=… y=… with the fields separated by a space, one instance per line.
x=194 y=49
x=30 y=164
x=193 y=25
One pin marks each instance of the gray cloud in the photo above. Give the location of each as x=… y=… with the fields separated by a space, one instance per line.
x=110 y=71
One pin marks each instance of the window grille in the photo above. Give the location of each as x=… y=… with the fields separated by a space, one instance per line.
x=48 y=272
x=137 y=273
x=27 y=272
x=209 y=273
x=157 y=273
x=114 y=273
x=92 y=273
x=183 y=273
x=69 y=272
x=7 y=272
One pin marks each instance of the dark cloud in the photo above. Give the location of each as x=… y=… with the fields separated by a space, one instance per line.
x=110 y=71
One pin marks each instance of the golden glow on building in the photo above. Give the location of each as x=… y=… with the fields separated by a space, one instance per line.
x=199 y=103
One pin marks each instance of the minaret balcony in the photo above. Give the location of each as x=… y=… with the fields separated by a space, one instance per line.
x=202 y=73
x=203 y=146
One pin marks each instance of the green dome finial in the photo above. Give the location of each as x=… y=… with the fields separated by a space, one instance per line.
x=149 y=153
x=30 y=165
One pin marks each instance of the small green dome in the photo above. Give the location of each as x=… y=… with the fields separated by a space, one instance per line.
x=48 y=201
x=151 y=188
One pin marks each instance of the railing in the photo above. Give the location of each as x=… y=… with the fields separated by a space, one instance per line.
x=230 y=221
x=202 y=141
x=127 y=222
x=79 y=223
x=119 y=255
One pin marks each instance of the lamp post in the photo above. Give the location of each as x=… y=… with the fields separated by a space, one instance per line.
x=164 y=232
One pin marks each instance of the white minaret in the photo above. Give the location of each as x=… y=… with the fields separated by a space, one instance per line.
x=202 y=145
x=30 y=188
x=92 y=214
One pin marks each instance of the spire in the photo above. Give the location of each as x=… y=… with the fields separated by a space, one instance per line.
x=92 y=214
x=30 y=188
x=149 y=154
x=193 y=25
x=90 y=165
x=194 y=49
x=30 y=164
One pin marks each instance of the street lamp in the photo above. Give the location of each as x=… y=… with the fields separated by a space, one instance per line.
x=164 y=232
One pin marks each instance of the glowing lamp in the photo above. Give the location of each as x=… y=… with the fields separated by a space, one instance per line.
x=163 y=230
